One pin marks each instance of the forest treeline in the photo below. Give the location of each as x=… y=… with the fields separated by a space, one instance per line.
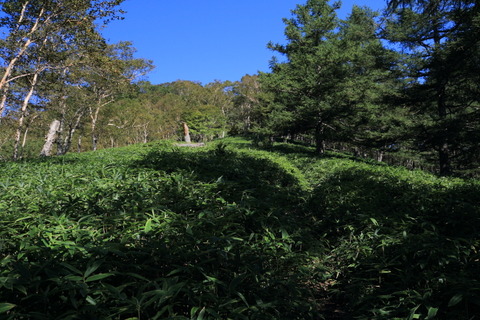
x=400 y=86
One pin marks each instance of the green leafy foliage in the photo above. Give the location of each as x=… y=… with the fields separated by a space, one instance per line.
x=152 y=232
x=228 y=231
x=402 y=244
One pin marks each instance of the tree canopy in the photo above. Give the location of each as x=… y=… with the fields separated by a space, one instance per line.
x=399 y=86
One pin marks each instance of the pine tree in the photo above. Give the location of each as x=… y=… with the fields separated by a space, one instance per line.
x=335 y=72
x=369 y=86
x=441 y=40
x=303 y=85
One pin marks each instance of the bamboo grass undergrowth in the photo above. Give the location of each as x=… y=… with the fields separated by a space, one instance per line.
x=230 y=231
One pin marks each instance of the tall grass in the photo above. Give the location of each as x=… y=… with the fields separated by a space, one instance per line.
x=233 y=232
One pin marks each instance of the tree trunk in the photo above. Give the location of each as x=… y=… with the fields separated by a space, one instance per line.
x=9 y=69
x=320 y=138
x=93 y=133
x=23 y=114
x=94 y=117
x=50 y=139
x=94 y=141
x=186 y=133
x=64 y=139
x=145 y=133
x=443 y=144
x=79 y=144
x=444 y=160
x=380 y=155
x=3 y=100
x=25 y=134
x=65 y=143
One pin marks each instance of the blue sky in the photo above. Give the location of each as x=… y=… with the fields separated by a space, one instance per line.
x=207 y=40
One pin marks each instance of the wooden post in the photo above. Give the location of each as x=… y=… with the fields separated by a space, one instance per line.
x=186 y=133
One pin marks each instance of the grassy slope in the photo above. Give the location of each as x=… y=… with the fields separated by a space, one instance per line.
x=229 y=232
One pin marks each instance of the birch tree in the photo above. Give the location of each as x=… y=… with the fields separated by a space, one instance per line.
x=29 y=23
x=36 y=36
x=109 y=74
x=246 y=97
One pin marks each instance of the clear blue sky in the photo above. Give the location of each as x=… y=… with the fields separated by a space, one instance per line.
x=207 y=40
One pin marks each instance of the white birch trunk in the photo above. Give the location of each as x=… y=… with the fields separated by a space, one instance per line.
x=64 y=140
x=9 y=69
x=24 y=141
x=23 y=114
x=93 y=124
x=79 y=144
x=94 y=117
x=50 y=138
x=145 y=133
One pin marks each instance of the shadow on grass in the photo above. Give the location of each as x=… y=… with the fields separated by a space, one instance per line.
x=404 y=249
x=210 y=234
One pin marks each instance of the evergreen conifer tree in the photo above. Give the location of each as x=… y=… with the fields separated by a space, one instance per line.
x=441 y=40
x=335 y=72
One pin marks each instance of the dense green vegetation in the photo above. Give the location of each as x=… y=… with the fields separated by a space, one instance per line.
x=399 y=86
x=331 y=225
x=229 y=231
x=400 y=83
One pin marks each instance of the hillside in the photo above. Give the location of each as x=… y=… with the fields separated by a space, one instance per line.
x=229 y=231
